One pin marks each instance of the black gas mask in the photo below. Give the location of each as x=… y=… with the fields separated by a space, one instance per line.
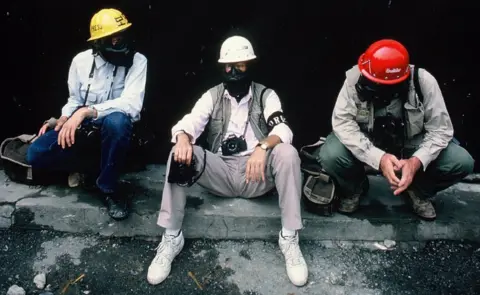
x=116 y=49
x=380 y=94
x=236 y=81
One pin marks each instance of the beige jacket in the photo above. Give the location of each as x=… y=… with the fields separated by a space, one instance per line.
x=428 y=124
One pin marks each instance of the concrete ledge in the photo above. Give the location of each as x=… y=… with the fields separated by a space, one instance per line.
x=382 y=216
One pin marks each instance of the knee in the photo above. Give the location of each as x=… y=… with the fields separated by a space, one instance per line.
x=334 y=154
x=34 y=154
x=118 y=124
x=463 y=163
x=285 y=152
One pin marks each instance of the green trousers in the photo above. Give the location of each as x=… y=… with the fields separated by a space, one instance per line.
x=450 y=167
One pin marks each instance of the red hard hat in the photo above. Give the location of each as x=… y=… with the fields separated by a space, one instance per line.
x=385 y=62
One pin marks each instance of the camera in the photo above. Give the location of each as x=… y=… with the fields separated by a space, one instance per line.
x=88 y=130
x=389 y=132
x=182 y=174
x=233 y=145
x=87 y=138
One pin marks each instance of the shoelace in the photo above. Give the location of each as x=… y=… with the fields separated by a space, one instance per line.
x=164 y=249
x=292 y=252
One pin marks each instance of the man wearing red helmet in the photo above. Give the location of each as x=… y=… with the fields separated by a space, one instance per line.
x=392 y=117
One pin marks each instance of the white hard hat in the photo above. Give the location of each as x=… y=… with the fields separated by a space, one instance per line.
x=236 y=49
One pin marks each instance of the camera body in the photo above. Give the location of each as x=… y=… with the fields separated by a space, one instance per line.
x=389 y=132
x=233 y=145
x=88 y=138
x=88 y=130
x=182 y=174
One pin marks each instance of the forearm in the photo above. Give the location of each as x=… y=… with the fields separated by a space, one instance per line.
x=272 y=140
x=430 y=148
x=90 y=113
x=437 y=123
x=361 y=147
x=193 y=124
x=69 y=108
x=189 y=126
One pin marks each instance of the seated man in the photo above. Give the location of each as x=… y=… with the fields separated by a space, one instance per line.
x=385 y=119
x=106 y=86
x=249 y=154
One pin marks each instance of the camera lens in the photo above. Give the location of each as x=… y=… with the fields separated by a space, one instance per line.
x=232 y=146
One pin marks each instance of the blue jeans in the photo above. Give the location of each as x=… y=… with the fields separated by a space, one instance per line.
x=115 y=133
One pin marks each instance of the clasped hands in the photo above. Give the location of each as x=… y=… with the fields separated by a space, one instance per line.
x=391 y=166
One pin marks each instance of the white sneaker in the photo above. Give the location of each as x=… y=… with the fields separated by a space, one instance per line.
x=297 y=270
x=167 y=250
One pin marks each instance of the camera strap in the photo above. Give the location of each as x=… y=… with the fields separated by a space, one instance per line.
x=250 y=105
x=194 y=179
x=90 y=77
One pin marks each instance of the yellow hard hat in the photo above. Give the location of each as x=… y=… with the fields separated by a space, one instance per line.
x=107 y=22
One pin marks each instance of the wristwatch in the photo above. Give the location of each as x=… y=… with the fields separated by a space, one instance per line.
x=263 y=146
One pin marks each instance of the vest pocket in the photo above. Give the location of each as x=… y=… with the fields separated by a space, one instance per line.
x=363 y=115
x=415 y=119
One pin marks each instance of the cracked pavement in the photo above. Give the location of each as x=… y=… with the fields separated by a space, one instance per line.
x=119 y=265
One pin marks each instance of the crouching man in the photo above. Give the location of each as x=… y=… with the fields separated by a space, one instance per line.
x=392 y=117
x=249 y=154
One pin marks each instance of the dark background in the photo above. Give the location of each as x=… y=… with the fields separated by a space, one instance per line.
x=304 y=48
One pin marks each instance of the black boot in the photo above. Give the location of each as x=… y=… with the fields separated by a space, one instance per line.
x=117 y=206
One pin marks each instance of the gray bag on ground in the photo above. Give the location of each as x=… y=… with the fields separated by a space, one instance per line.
x=13 y=152
x=318 y=189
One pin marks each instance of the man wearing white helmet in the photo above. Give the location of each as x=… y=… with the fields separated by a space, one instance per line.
x=249 y=153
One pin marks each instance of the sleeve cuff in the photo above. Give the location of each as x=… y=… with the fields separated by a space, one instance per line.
x=66 y=113
x=100 y=112
x=375 y=157
x=424 y=157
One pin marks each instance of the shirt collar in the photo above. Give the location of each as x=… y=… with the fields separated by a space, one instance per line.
x=99 y=61
x=246 y=97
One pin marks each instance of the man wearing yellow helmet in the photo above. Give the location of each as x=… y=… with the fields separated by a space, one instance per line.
x=106 y=90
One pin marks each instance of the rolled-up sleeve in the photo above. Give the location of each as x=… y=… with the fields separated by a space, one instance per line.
x=438 y=125
x=130 y=101
x=282 y=130
x=74 y=99
x=348 y=131
x=194 y=123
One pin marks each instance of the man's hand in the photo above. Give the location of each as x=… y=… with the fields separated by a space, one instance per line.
x=388 y=165
x=409 y=169
x=66 y=137
x=256 y=165
x=183 y=149
x=60 y=122
x=58 y=126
